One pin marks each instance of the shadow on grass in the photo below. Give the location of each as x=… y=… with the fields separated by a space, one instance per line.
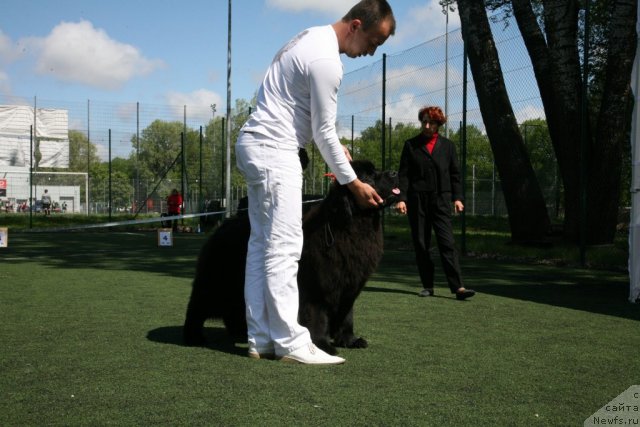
x=580 y=289
x=388 y=290
x=110 y=250
x=594 y=291
x=216 y=339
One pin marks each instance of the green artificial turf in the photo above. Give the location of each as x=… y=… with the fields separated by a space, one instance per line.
x=91 y=335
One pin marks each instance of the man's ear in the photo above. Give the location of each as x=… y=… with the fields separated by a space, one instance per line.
x=354 y=25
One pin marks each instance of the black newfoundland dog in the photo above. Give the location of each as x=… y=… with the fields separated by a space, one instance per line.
x=342 y=247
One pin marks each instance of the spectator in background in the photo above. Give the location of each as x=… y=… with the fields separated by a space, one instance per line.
x=174 y=206
x=46 y=203
x=429 y=182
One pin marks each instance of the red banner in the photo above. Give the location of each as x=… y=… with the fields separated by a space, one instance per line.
x=3 y=188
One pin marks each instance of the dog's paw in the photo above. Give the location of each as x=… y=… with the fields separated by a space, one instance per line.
x=358 y=343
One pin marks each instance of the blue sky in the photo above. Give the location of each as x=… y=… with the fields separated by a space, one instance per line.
x=170 y=52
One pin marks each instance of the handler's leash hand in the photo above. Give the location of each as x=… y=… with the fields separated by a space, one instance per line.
x=366 y=196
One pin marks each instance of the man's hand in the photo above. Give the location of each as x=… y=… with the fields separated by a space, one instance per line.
x=401 y=207
x=366 y=196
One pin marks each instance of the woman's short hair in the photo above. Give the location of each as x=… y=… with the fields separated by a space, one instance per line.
x=434 y=114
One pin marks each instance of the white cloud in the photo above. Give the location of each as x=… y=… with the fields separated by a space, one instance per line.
x=5 y=85
x=80 y=53
x=530 y=112
x=102 y=151
x=200 y=97
x=405 y=109
x=424 y=23
x=198 y=103
x=8 y=52
x=420 y=79
x=335 y=7
x=126 y=112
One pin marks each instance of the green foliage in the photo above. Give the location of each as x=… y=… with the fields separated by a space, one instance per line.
x=479 y=154
x=159 y=150
x=79 y=145
x=400 y=133
x=538 y=143
x=121 y=185
x=368 y=146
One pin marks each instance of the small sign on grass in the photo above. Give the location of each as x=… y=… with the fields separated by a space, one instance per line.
x=4 y=237
x=165 y=237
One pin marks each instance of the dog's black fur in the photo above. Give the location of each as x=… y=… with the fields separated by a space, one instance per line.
x=342 y=247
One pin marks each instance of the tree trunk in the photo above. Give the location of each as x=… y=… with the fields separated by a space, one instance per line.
x=528 y=217
x=613 y=128
x=556 y=63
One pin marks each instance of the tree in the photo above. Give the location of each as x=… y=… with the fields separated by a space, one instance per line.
x=479 y=153
x=369 y=144
x=528 y=217
x=395 y=142
x=538 y=144
x=78 y=147
x=551 y=33
x=159 y=150
x=214 y=163
x=121 y=185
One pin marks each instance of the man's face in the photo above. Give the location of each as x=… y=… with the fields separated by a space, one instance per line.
x=366 y=42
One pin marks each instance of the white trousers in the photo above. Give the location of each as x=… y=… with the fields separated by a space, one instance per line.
x=274 y=179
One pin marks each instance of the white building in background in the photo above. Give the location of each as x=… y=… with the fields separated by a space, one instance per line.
x=49 y=128
x=15 y=189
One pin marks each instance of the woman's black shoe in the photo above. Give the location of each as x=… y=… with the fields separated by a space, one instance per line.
x=463 y=295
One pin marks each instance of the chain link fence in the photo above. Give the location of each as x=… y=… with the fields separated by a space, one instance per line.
x=386 y=94
x=392 y=90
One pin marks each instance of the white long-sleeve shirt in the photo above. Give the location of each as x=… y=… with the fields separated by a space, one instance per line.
x=297 y=100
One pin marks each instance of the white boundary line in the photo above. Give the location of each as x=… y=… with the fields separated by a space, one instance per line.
x=134 y=221
x=117 y=223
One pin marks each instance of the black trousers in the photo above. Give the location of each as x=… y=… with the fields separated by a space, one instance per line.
x=174 y=223
x=431 y=211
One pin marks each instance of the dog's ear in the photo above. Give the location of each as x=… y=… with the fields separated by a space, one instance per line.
x=347 y=211
x=341 y=208
x=365 y=170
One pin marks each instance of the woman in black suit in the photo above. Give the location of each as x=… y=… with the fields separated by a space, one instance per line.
x=429 y=182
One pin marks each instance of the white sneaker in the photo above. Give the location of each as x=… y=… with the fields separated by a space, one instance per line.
x=311 y=355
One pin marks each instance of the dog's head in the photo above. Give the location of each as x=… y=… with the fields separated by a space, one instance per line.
x=385 y=183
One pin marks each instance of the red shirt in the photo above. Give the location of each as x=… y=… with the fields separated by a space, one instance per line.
x=431 y=143
x=174 y=201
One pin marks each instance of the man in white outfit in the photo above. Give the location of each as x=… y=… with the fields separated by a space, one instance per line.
x=297 y=102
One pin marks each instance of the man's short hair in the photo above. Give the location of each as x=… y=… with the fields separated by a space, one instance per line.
x=371 y=13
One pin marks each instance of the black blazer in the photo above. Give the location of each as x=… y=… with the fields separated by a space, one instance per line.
x=438 y=172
